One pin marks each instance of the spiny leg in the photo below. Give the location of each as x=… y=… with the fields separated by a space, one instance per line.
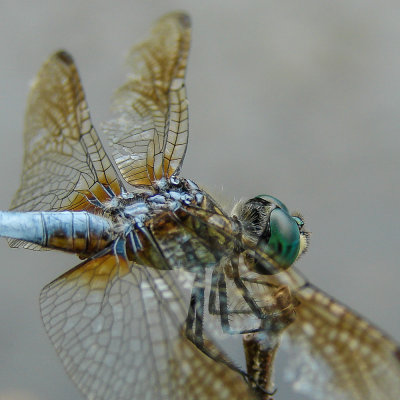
x=194 y=320
x=219 y=285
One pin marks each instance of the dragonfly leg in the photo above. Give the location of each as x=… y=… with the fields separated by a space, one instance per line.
x=244 y=291
x=194 y=320
x=272 y=317
x=134 y=240
x=219 y=285
x=194 y=323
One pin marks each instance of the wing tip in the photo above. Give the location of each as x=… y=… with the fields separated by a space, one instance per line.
x=181 y=17
x=184 y=20
x=65 y=57
x=397 y=353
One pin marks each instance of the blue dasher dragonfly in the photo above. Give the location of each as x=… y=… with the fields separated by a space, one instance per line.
x=165 y=270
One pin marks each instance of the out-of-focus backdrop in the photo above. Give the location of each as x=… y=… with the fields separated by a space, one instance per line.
x=298 y=100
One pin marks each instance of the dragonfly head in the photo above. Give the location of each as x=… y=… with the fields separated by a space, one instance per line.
x=268 y=226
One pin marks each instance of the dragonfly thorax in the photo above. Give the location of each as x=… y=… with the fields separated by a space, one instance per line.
x=166 y=227
x=138 y=207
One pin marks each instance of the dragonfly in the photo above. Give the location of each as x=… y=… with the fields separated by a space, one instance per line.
x=165 y=271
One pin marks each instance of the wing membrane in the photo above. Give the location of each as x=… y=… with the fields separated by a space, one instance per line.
x=117 y=327
x=65 y=165
x=334 y=353
x=338 y=355
x=150 y=130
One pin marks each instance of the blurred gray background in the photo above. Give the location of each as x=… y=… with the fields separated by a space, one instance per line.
x=295 y=99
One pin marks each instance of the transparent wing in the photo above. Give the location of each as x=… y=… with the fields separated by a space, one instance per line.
x=335 y=354
x=65 y=166
x=149 y=132
x=118 y=327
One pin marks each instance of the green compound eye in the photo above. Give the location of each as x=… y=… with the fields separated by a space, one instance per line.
x=268 y=225
x=283 y=244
